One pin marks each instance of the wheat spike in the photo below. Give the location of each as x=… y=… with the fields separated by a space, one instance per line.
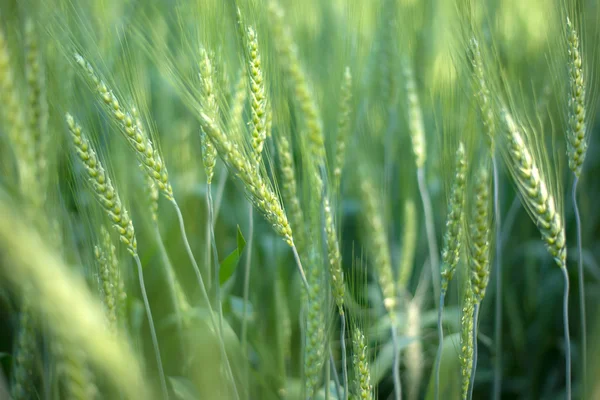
x=102 y=186
x=480 y=229
x=131 y=128
x=534 y=191
x=415 y=116
x=453 y=236
x=257 y=96
x=576 y=133
x=343 y=131
x=482 y=93
x=360 y=360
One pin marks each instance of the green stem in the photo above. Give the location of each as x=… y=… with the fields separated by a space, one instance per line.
x=204 y=294
x=161 y=373
x=171 y=281
x=215 y=257
x=246 y=293
x=566 y=332
x=438 y=357
x=497 y=387
x=582 y=314
x=430 y=228
x=344 y=360
x=396 y=367
x=336 y=377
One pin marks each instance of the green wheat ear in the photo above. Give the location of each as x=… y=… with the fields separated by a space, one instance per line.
x=360 y=361
x=534 y=190
x=454 y=232
x=576 y=133
x=102 y=186
x=133 y=131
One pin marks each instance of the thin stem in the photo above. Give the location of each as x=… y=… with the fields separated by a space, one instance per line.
x=396 y=372
x=204 y=293
x=220 y=191
x=582 y=313
x=171 y=281
x=344 y=360
x=161 y=373
x=430 y=228
x=336 y=377
x=497 y=387
x=299 y=264
x=566 y=332
x=246 y=293
x=438 y=356
x=474 y=366
x=215 y=257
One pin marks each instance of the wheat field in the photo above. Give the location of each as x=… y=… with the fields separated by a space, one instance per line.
x=318 y=199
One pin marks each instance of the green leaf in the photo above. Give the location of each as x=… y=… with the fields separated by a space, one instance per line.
x=449 y=371
x=183 y=388
x=230 y=262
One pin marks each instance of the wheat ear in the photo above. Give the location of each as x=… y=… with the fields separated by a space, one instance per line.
x=75 y=371
x=343 y=131
x=37 y=105
x=452 y=245
x=16 y=127
x=257 y=96
x=466 y=340
x=287 y=53
x=109 y=199
x=360 y=360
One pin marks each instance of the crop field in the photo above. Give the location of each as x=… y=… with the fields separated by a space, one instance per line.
x=315 y=199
